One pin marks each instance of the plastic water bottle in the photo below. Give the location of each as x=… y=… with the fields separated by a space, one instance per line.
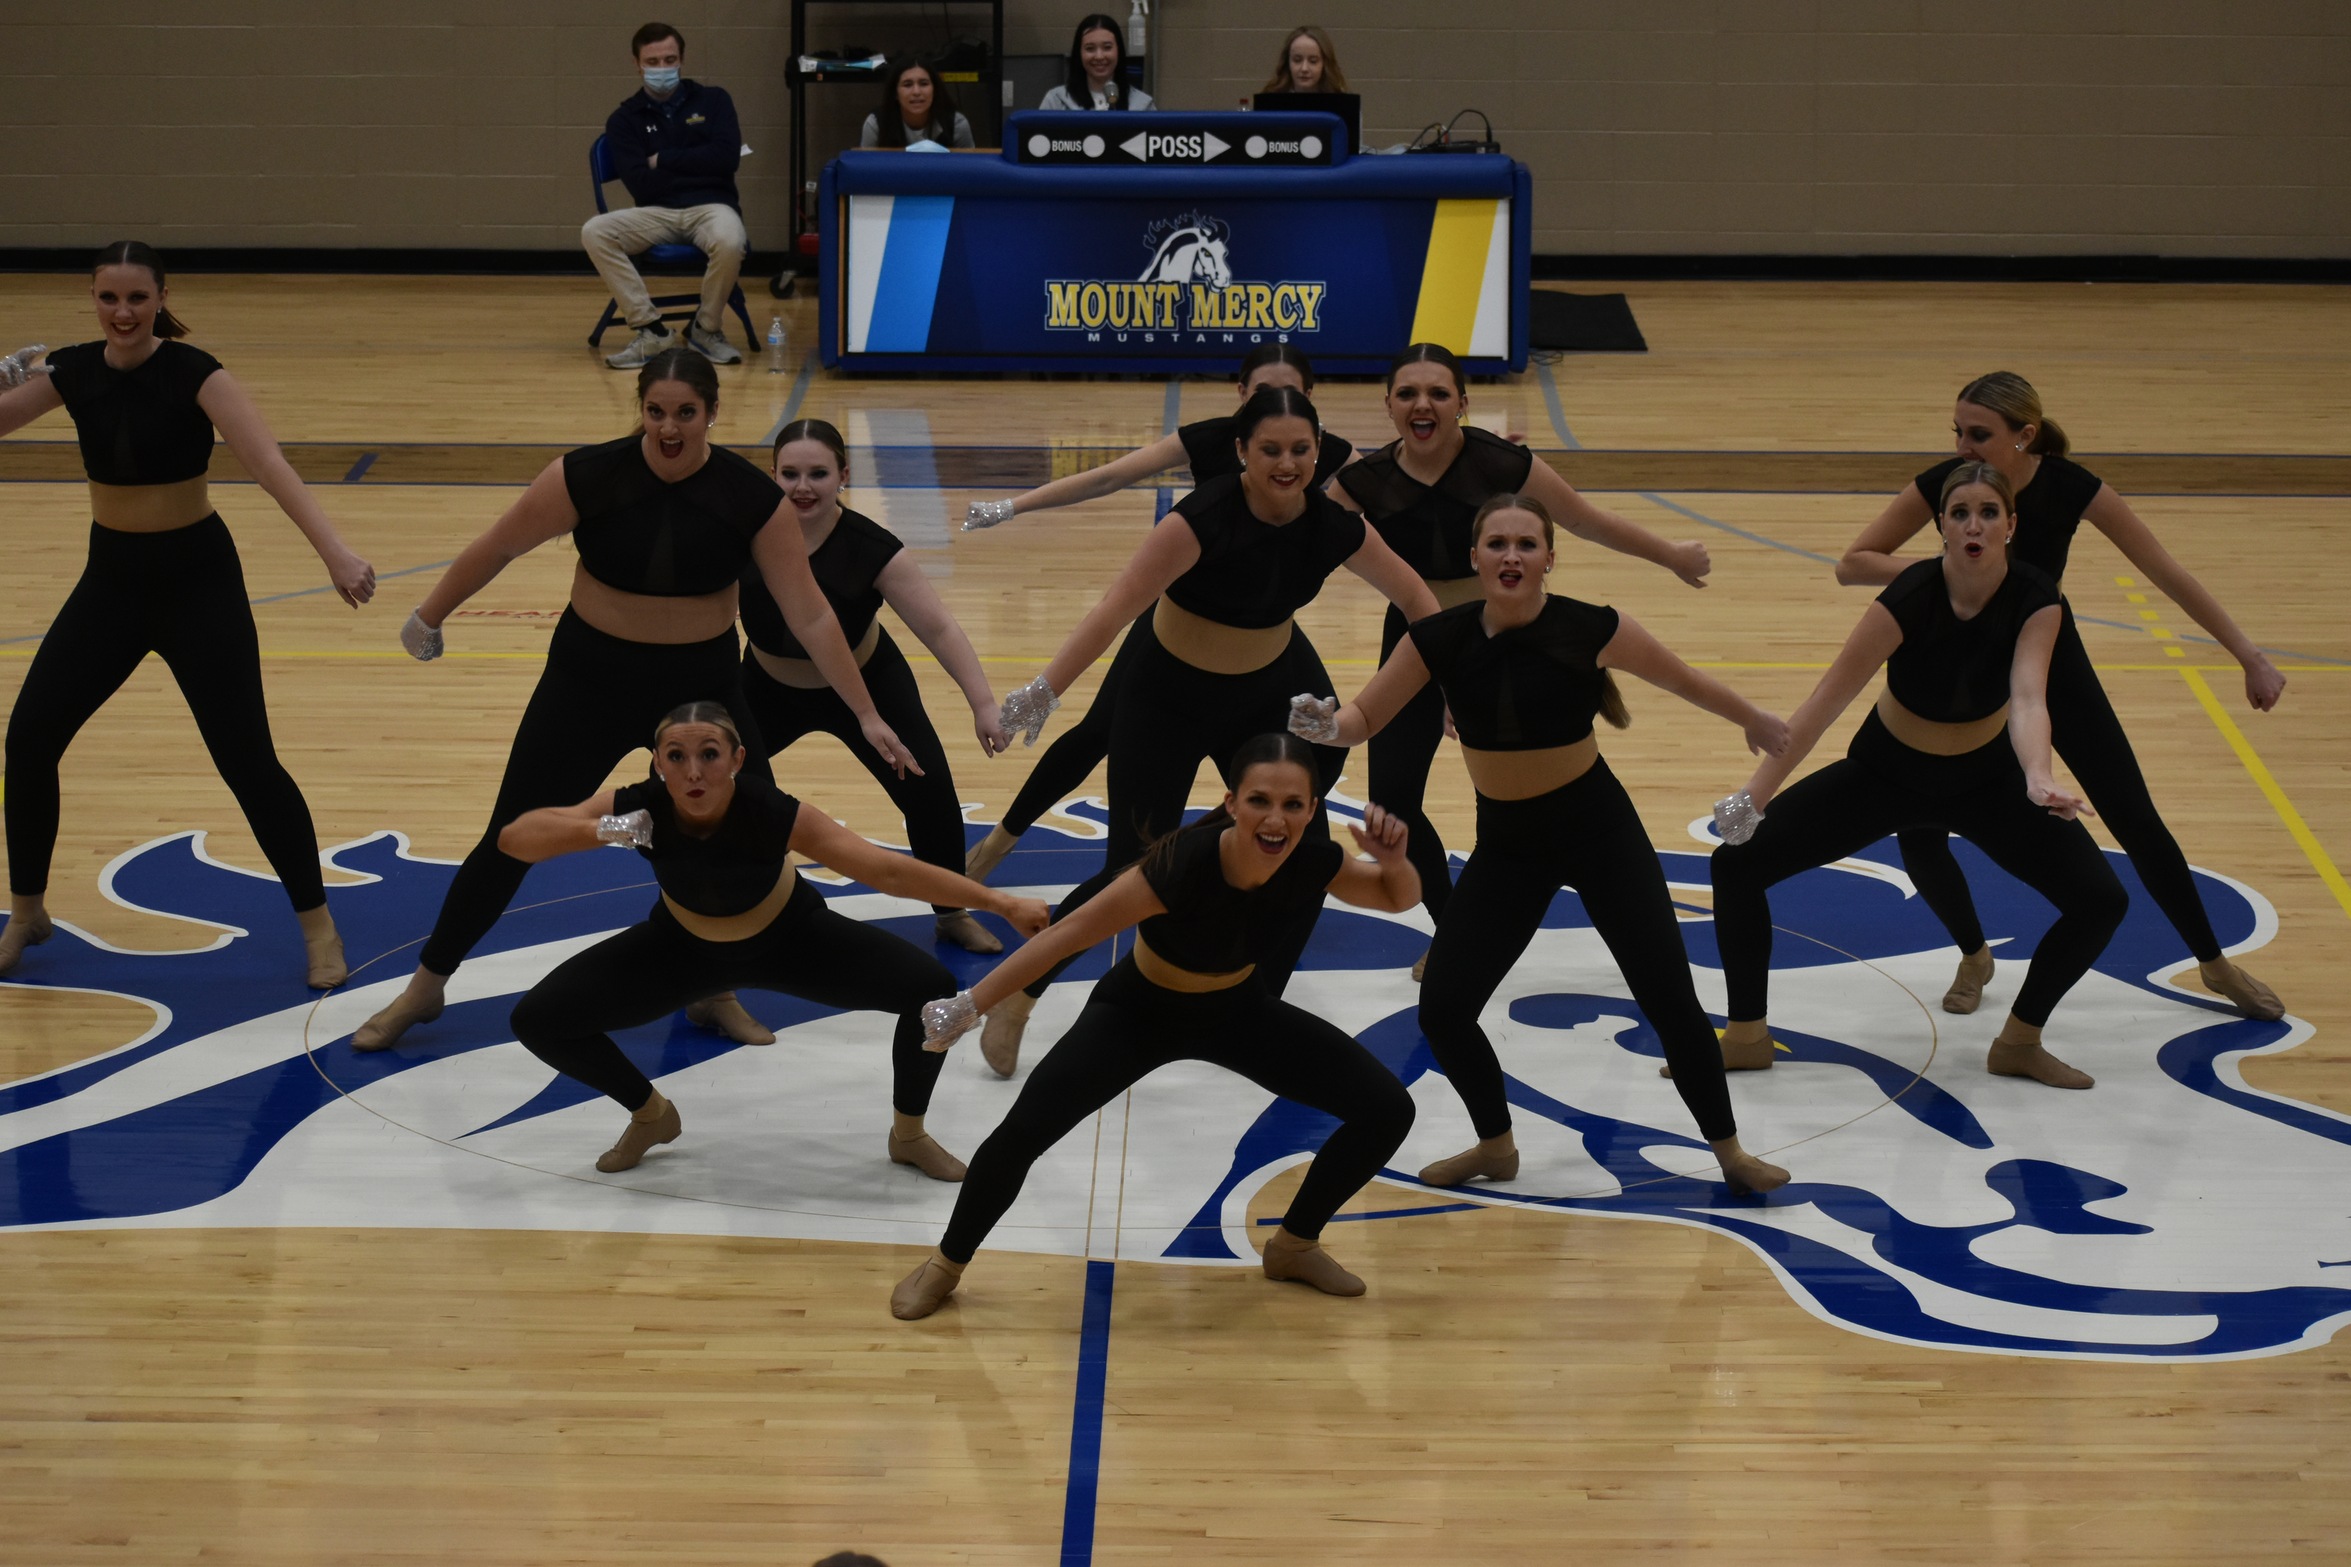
x=1138 y=29
x=775 y=345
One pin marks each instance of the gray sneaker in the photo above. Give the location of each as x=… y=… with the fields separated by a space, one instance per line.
x=712 y=346
x=650 y=340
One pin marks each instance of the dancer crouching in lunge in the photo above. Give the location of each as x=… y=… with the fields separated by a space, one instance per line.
x=1210 y=448
x=1958 y=742
x=1230 y=568
x=1208 y=903
x=734 y=912
x=665 y=522
x=163 y=577
x=860 y=566
x=1524 y=673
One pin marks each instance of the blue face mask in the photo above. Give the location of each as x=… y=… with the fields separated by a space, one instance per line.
x=661 y=79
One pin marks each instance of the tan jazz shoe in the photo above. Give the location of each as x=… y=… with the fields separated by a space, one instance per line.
x=1305 y=1262
x=2241 y=990
x=27 y=927
x=1000 y=1038
x=1967 y=986
x=2018 y=1053
x=648 y=1128
x=988 y=853
x=966 y=932
x=926 y=1289
x=1490 y=1159
x=922 y=1150
x=723 y=1014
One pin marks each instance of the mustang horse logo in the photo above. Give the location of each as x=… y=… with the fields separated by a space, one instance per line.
x=1189 y=249
x=2175 y=1214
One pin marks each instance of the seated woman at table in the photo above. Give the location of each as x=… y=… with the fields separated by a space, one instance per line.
x=1309 y=62
x=1096 y=78
x=915 y=107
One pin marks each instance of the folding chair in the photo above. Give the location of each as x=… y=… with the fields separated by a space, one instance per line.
x=660 y=261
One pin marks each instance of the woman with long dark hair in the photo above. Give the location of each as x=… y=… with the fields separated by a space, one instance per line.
x=163 y=577
x=1525 y=673
x=1998 y=420
x=665 y=521
x=733 y=912
x=1211 y=906
x=1420 y=491
x=915 y=106
x=1209 y=448
x=1096 y=75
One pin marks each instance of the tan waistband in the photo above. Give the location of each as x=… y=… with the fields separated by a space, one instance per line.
x=150 y=508
x=1214 y=646
x=802 y=673
x=1451 y=591
x=667 y=619
x=1167 y=976
x=1521 y=775
x=737 y=927
x=1936 y=738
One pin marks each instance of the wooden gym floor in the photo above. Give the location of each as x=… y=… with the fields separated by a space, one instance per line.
x=1522 y=1384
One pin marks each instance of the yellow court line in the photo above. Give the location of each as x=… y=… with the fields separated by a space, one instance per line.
x=2269 y=786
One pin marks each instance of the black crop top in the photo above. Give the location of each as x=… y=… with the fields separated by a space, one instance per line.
x=1214 y=927
x=640 y=534
x=1523 y=689
x=2048 y=509
x=1951 y=670
x=846 y=566
x=1428 y=524
x=734 y=868
x=1211 y=451
x=137 y=426
x=1254 y=574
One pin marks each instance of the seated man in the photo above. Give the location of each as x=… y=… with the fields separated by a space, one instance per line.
x=676 y=145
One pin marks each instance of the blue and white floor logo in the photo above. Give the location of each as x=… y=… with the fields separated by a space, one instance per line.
x=2172 y=1213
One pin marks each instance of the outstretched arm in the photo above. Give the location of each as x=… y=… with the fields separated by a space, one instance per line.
x=1385 y=570
x=906 y=589
x=1871 y=561
x=1111 y=477
x=554 y=830
x=1386 y=882
x=240 y=424
x=1125 y=903
x=21 y=405
x=2112 y=516
x=827 y=842
x=1636 y=652
x=1171 y=550
x=544 y=511
x=2028 y=714
x=1865 y=652
x=1687 y=560
x=1397 y=682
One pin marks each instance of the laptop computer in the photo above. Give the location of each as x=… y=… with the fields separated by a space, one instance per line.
x=1346 y=105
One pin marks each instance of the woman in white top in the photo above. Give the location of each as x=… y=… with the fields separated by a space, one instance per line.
x=1097 y=71
x=914 y=107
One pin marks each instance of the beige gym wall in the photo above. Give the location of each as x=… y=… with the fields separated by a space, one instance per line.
x=2183 y=127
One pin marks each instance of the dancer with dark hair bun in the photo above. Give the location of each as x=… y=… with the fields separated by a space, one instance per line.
x=1211 y=450
x=163 y=577
x=1998 y=420
x=1221 y=654
x=666 y=521
x=1958 y=742
x=1525 y=673
x=733 y=912
x=1211 y=906
x=860 y=566
x=1421 y=491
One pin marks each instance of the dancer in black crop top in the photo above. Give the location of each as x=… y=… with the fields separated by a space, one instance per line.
x=1211 y=449
x=1524 y=674
x=1998 y=420
x=1959 y=742
x=1210 y=905
x=666 y=523
x=1229 y=567
x=733 y=912
x=860 y=566
x=1421 y=491
x=162 y=577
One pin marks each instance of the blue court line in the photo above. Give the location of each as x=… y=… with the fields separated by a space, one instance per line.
x=1172 y=409
x=1392 y=1213
x=1085 y=1421
x=1655 y=499
x=1558 y=413
x=324 y=587
x=359 y=469
x=792 y=403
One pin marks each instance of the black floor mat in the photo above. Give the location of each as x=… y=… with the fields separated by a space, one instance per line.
x=1584 y=323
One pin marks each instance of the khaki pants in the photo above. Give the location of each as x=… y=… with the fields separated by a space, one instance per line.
x=612 y=238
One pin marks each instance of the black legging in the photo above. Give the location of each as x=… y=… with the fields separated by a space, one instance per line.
x=928 y=801
x=597 y=700
x=1400 y=757
x=1131 y=1028
x=1080 y=748
x=1172 y=716
x=2086 y=733
x=1882 y=786
x=1585 y=835
x=181 y=595
x=648 y=971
